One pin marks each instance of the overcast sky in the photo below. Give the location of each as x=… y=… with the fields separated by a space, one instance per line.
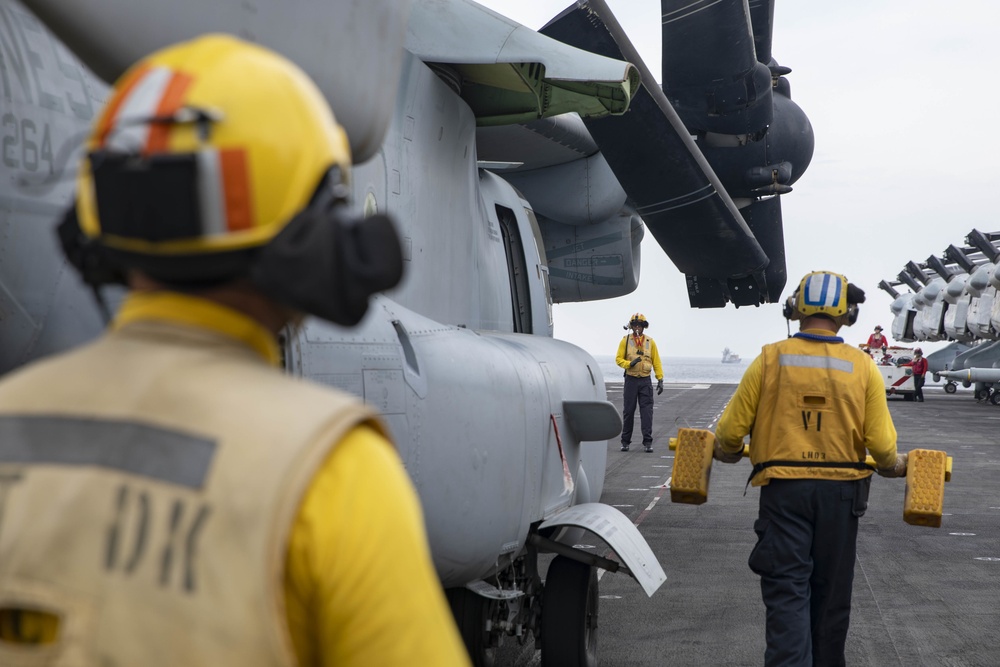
x=903 y=103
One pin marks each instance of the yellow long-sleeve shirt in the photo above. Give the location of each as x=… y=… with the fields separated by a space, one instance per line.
x=351 y=596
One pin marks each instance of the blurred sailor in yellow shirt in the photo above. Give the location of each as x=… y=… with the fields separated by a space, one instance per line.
x=174 y=498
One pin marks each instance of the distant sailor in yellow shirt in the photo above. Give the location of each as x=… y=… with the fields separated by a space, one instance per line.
x=814 y=405
x=170 y=496
x=637 y=354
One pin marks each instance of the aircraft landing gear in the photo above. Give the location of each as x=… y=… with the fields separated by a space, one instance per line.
x=506 y=604
x=950 y=388
x=995 y=397
x=569 y=614
x=471 y=614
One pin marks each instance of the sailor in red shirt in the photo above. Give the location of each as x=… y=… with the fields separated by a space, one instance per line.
x=919 y=367
x=877 y=341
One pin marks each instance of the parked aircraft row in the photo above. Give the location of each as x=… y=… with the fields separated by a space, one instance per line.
x=522 y=168
x=953 y=297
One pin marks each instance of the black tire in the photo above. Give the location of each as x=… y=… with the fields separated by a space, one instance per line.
x=950 y=388
x=471 y=612
x=907 y=397
x=569 y=614
x=995 y=397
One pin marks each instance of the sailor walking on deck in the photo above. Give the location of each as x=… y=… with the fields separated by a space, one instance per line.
x=814 y=405
x=637 y=354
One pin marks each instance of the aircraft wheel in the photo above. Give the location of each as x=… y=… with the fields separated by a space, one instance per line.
x=950 y=388
x=907 y=396
x=569 y=614
x=471 y=612
x=995 y=398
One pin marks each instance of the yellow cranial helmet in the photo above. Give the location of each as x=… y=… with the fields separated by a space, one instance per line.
x=638 y=319
x=218 y=160
x=824 y=293
x=208 y=146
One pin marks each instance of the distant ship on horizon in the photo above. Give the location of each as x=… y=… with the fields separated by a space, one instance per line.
x=730 y=357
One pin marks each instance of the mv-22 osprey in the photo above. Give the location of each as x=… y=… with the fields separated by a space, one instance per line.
x=522 y=168
x=954 y=297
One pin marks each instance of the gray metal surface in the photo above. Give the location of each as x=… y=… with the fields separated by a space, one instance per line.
x=109 y=35
x=922 y=596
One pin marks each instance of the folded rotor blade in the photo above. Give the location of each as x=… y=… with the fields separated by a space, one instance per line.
x=666 y=177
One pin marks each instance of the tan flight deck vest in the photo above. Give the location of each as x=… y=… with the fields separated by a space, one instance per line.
x=644 y=367
x=811 y=411
x=160 y=471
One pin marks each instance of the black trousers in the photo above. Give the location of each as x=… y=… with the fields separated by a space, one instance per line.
x=918 y=387
x=807 y=535
x=638 y=390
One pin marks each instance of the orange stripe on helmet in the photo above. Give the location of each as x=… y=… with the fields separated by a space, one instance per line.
x=236 y=189
x=111 y=109
x=170 y=102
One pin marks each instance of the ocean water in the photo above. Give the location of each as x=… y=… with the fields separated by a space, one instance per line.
x=707 y=370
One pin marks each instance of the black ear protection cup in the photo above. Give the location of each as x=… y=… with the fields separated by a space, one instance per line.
x=789 y=311
x=852 y=314
x=328 y=265
x=86 y=255
x=855 y=296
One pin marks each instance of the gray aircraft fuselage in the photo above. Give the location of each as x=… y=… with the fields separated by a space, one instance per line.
x=501 y=427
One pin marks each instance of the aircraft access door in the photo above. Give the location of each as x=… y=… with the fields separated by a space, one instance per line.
x=513 y=238
x=517 y=269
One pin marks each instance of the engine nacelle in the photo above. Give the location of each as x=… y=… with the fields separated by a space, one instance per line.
x=588 y=262
x=601 y=196
x=904 y=315
x=930 y=303
x=956 y=319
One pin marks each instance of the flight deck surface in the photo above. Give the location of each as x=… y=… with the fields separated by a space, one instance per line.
x=922 y=596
